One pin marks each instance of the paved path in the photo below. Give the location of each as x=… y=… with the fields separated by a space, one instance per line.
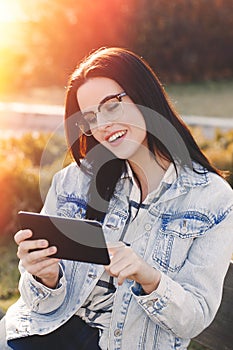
x=20 y=117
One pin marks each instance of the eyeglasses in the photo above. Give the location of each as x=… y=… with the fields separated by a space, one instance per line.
x=110 y=109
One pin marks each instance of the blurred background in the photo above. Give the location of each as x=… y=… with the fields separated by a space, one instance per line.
x=188 y=43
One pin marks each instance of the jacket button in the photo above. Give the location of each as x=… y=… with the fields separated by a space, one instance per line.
x=147 y=227
x=117 y=332
x=184 y=230
x=149 y=303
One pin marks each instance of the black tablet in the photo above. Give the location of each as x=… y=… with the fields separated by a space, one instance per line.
x=75 y=239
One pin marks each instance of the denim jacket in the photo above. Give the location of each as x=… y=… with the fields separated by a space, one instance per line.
x=187 y=233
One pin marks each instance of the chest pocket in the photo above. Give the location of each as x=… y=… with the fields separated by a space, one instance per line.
x=176 y=236
x=71 y=206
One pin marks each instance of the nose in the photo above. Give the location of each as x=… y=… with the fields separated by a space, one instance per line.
x=102 y=123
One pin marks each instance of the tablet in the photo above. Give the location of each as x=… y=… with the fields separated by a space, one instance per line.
x=75 y=239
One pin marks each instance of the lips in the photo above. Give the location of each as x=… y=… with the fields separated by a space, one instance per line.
x=115 y=136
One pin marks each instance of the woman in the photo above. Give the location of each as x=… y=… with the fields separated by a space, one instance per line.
x=139 y=171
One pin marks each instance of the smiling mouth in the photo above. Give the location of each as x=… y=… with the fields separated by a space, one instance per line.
x=116 y=136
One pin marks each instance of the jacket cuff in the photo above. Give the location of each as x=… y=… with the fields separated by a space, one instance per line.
x=155 y=301
x=40 y=298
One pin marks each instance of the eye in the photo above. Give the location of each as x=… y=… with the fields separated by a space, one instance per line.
x=110 y=107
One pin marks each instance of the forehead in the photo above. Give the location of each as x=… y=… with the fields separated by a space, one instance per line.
x=94 y=90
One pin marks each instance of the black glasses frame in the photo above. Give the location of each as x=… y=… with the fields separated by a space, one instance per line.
x=119 y=97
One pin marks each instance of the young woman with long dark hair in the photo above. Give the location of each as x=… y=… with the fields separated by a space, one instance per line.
x=167 y=215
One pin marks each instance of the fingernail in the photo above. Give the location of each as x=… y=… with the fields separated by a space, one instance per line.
x=52 y=249
x=43 y=243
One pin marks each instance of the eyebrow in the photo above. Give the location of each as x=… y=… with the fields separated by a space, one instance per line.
x=105 y=99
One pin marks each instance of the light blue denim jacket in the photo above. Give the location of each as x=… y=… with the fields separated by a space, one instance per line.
x=187 y=234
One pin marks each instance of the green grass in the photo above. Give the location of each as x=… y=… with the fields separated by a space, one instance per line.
x=210 y=98
x=5 y=303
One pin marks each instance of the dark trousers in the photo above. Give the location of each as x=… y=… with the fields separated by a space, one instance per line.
x=73 y=335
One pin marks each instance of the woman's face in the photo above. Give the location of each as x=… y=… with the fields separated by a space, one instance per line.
x=120 y=126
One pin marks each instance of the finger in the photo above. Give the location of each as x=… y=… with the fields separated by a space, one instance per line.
x=46 y=267
x=34 y=244
x=122 y=273
x=39 y=255
x=122 y=255
x=27 y=245
x=43 y=268
x=115 y=268
x=21 y=235
x=127 y=272
x=114 y=247
x=42 y=254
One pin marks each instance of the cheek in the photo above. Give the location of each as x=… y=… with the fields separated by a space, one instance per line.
x=132 y=114
x=138 y=131
x=97 y=137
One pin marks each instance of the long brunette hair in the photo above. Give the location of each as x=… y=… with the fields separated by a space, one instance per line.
x=141 y=84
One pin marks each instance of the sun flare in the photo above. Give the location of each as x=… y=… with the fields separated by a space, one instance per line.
x=11 y=17
x=9 y=11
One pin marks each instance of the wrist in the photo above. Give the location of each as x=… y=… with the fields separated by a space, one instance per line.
x=50 y=282
x=47 y=282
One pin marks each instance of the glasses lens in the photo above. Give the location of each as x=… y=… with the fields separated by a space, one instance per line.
x=90 y=119
x=111 y=109
x=88 y=123
x=85 y=128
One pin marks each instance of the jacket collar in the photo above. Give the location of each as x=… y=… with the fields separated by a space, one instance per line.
x=198 y=176
x=185 y=176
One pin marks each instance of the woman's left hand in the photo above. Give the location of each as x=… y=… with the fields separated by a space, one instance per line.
x=125 y=263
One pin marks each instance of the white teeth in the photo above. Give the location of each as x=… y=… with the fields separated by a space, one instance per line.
x=116 y=136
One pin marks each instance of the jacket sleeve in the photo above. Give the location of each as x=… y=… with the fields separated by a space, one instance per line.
x=188 y=303
x=38 y=297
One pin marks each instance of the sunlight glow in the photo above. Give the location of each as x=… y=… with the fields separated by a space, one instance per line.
x=10 y=11
x=11 y=17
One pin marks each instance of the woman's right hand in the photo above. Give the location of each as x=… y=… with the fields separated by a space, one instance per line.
x=38 y=263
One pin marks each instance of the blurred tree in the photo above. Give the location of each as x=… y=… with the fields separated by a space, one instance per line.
x=183 y=40
x=61 y=32
x=186 y=40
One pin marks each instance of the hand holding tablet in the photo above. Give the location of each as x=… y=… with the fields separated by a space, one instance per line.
x=75 y=239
